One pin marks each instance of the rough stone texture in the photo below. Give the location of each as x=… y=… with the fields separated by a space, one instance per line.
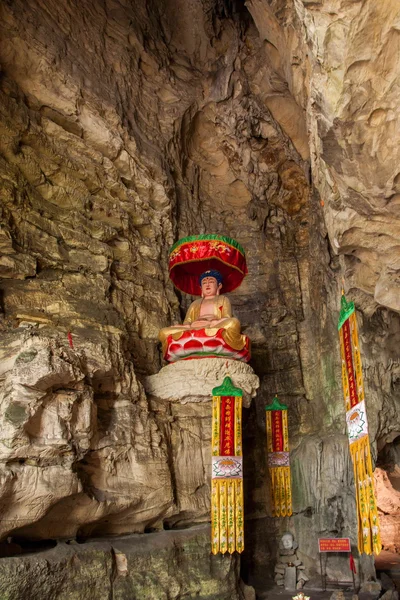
x=126 y=125
x=180 y=397
x=159 y=566
x=193 y=380
x=66 y=462
x=388 y=491
x=387 y=582
x=343 y=69
x=373 y=588
x=390 y=595
x=70 y=468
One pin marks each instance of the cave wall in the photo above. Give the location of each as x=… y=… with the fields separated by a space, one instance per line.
x=126 y=126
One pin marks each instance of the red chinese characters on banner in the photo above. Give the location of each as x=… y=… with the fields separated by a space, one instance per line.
x=227 y=443
x=277 y=431
x=334 y=545
x=349 y=364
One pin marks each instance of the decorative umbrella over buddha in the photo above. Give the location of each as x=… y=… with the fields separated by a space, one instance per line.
x=205 y=266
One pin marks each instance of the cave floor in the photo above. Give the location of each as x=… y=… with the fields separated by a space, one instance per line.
x=389 y=563
x=280 y=594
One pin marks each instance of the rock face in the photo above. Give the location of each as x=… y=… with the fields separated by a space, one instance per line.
x=388 y=491
x=341 y=66
x=79 y=469
x=125 y=126
x=65 y=455
x=166 y=565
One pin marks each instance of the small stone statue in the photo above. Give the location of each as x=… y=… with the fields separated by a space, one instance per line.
x=287 y=543
x=289 y=570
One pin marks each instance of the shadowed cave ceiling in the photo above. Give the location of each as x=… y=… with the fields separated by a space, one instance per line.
x=126 y=125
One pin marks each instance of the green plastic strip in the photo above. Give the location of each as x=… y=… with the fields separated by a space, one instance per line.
x=276 y=405
x=199 y=238
x=227 y=389
x=346 y=309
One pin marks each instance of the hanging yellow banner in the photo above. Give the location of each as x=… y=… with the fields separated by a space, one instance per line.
x=227 y=526
x=278 y=458
x=369 y=539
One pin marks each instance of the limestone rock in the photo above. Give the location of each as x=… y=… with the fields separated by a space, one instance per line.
x=247 y=591
x=193 y=380
x=337 y=595
x=387 y=582
x=56 y=433
x=279 y=569
x=390 y=595
x=371 y=587
x=389 y=507
x=159 y=565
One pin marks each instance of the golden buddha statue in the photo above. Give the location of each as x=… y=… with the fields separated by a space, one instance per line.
x=202 y=264
x=211 y=313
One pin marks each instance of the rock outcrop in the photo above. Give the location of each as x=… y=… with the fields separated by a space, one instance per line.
x=73 y=465
x=167 y=565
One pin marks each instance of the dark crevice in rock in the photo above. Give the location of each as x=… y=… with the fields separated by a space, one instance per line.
x=16 y=546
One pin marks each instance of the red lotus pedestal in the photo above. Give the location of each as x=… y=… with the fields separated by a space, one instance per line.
x=197 y=344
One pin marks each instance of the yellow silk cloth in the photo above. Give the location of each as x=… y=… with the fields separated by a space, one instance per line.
x=369 y=538
x=280 y=476
x=221 y=310
x=227 y=516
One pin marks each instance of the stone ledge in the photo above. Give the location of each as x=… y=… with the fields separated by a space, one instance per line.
x=165 y=564
x=193 y=380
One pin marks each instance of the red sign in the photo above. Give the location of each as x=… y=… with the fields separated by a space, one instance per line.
x=334 y=545
x=227 y=441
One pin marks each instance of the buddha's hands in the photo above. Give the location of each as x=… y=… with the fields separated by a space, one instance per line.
x=215 y=322
x=200 y=323
x=205 y=323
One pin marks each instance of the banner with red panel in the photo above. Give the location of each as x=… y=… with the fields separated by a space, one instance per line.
x=227 y=522
x=278 y=458
x=369 y=540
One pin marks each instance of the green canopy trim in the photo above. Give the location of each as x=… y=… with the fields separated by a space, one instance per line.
x=199 y=238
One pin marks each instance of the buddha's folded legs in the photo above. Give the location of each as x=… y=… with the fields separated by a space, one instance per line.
x=231 y=333
x=175 y=330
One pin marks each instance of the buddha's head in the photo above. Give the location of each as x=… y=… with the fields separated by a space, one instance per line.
x=210 y=283
x=287 y=541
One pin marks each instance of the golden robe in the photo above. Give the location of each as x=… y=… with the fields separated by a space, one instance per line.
x=221 y=310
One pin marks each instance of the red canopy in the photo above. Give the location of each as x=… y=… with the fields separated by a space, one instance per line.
x=191 y=256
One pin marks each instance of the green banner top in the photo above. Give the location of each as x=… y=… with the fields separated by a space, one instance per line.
x=346 y=309
x=227 y=389
x=276 y=405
